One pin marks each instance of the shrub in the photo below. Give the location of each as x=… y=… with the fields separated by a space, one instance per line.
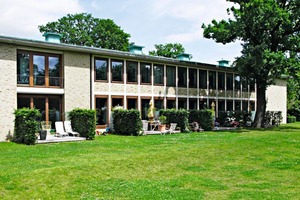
x=241 y=116
x=177 y=116
x=291 y=119
x=84 y=122
x=203 y=117
x=127 y=122
x=272 y=118
x=26 y=125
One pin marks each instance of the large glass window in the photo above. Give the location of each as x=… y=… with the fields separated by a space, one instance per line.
x=131 y=103
x=117 y=70
x=202 y=79
x=193 y=78
x=38 y=69
x=101 y=110
x=229 y=105
x=237 y=82
x=237 y=105
x=221 y=81
x=245 y=105
x=159 y=104
x=221 y=105
x=229 y=81
x=203 y=104
x=158 y=74
x=145 y=73
x=182 y=77
x=212 y=80
x=145 y=106
x=132 y=71
x=171 y=103
x=171 y=76
x=182 y=103
x=101 y=69
x=192 y=104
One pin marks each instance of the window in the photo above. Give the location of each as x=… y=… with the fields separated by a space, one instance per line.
x=202 y=79
x=117 y=70
x=192 y=104
x=212 y=80
x=221 y=105
x=146 y=73
x=202 y=104
x=252 y=105
x=182 y=103
x=171 y=76
x=193 y=78
x=117 y=101
x=252 y=85
x=237 y=82
x=229 y=82
x=101 y=110
x=171 y=103
x=182 y=77
x=229 y=105
x=101 y=69
x=131 y=103
x=158 y=104
x=237 y=105
x=145 y=106
x=38 y=69
x=245 y=105
x=245 y=85
x=159 y=74
x=221 y=81
x=132 y=71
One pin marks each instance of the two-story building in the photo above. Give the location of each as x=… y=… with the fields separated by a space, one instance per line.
x=56 y=78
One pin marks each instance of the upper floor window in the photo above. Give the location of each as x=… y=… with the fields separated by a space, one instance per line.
x=158 y=74
x=101 y=69
x=221 y=81
x=38 y=69
x=117 y=70
x=182 y=77
x=193 y=78
x=132 y=71
x=202 y=79
x=237 y=82
x=171 y=76
x=229 y=81
x=146 y=73
x=212 y=80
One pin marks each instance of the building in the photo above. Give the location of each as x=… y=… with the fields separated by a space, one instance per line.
x=56 y=78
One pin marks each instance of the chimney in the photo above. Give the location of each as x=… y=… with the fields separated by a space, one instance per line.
x=52 y=37
x=133 y=48
x=184 y=57
x=223 y=63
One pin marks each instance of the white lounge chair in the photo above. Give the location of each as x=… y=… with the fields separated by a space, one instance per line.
x=171 y=129
x=68 y=128
x=59 y=129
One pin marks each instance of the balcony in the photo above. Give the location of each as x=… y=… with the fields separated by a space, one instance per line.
x=40 y=81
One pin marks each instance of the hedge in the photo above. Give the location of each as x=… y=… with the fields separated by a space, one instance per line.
x=177 y=116
x=26 y=125
x=203 y=117
x=84 y=122
x=291 y=119
x=127 y=122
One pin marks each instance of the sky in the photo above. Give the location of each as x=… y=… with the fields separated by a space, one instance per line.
x=148 y=22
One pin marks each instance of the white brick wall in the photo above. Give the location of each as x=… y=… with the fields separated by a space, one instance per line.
x=76 y=81
x=8 y=94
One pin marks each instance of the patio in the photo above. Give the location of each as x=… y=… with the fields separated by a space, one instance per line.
x=54 y=139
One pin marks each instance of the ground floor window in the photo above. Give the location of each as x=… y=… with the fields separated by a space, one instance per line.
x=132 y=103
x=192 y=104
x=49 y=106
x=117 y=101
x=171 y=103
x=144 y=108
x=101 y=110
x=182 y=103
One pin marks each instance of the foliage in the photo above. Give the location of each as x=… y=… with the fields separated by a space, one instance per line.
x=162 y=119
x=84 y=29
x=127 y=122
x=241 y=116
x=168 y=50
x=269 y=31
x=272 y=118
x=84 y=122
x=203 y=117
x=291 y=119
x=26 y=125
x=177 y=116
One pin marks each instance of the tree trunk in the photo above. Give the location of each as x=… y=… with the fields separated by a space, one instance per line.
x=260 y=107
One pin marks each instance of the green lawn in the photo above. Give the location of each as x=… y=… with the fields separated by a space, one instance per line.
x=242 y=164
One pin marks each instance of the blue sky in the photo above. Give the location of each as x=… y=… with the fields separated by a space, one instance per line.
x=148 y=22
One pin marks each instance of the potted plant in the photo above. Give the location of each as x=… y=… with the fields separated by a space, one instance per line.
x=162 y=126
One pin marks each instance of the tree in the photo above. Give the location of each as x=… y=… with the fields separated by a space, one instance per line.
x=83 y=29
x=168 y=50
x=269 y=31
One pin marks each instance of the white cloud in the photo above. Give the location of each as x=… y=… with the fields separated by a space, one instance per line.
x=21 y=18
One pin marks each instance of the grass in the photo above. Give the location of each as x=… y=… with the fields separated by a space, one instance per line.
x=242 y=164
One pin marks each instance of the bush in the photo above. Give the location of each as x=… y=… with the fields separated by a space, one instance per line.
x=84 y=122
x=127 y=122
x=291 y=119
x=26 y=125
x=177 y=116
x=203 y=117
x=241 y=116
x=272 y=118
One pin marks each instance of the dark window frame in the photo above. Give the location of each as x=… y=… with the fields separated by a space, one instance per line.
x=106 y=70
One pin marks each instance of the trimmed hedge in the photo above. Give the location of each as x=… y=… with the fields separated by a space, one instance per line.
x=127 y=122
x=177 y=116
x=291 y=119
x=84 y=122
x=203 y=117
x=26 y=125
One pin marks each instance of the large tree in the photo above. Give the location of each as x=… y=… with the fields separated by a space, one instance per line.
x=168 y=50
x=84 y=29
x=269 y=32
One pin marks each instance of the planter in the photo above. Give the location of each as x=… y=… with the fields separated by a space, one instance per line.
x=43 y=134
x=162 y=127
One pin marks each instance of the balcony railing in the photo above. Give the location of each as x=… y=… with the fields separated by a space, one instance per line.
x=40 y=81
